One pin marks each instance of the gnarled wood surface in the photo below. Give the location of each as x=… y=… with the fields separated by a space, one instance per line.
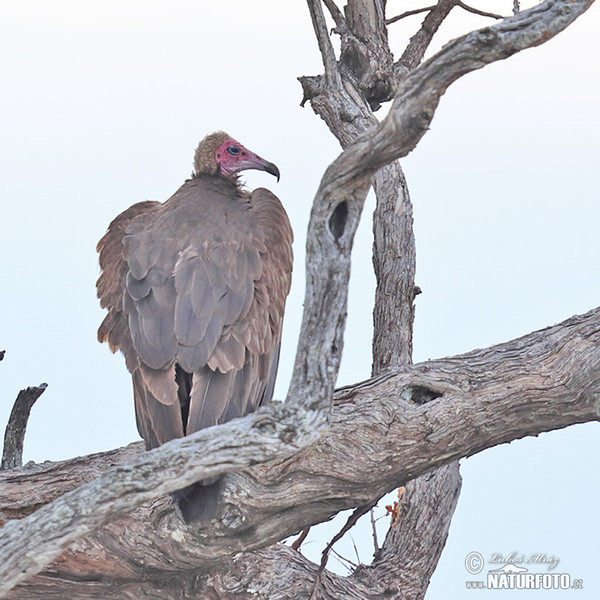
x=383 y=432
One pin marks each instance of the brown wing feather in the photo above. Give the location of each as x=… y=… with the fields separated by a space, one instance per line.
x=157 y=409
x=110 y=285
x=227 y=388
x=199 y=282
x=184 y=285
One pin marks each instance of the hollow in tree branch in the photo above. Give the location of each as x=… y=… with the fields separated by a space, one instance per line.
x=409 y=554
x=344 y=186
x=31 y=543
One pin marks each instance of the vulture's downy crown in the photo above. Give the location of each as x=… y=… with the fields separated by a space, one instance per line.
x=220 y=153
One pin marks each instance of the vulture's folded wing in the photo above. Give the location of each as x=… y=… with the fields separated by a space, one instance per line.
x=111 y=283
x=197 y=284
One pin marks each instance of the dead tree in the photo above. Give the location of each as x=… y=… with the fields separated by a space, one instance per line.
x=101 y=526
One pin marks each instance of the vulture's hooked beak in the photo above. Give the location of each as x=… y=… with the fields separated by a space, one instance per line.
x=271 y=168
x=253 y=161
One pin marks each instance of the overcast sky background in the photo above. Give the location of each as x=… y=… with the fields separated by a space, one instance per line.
x=102 y=105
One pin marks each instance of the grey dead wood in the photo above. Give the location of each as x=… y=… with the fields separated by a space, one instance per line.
x=481 y=13
x=380 y=436
x=344 y=186
x=414 y=542
x=413 y=546
x=31 y=543
x=401 y=424
x=365 y=77
x=414 y=52
x=14 y=434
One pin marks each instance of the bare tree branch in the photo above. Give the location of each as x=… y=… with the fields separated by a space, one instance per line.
x=368 y=59
x=394 y=263
x=414 y=52
x=336 y=14
x=33 y=542
x=41 y=483
x=14 y=434
x=322 y=35
x=409 y=13
x=412 y=549
x=348 y=525
x=374 y=531
x=476 y=11
x=408 y=556
x=543 y=381
x=298 y=542
x=365 y=57
x=277 y=573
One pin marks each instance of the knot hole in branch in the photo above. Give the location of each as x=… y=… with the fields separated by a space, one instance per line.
x=421 y=395
x=338 y=219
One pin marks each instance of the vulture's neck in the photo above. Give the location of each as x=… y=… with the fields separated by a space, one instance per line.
x=228 y=182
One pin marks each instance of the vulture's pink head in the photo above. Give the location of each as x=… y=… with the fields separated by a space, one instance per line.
x=220 y=153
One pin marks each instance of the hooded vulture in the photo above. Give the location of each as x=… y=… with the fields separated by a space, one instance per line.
x=195 y=289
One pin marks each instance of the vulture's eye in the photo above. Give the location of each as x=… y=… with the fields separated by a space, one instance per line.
x=233 y=150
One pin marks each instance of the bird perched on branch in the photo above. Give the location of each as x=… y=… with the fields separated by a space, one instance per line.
x=195 y=289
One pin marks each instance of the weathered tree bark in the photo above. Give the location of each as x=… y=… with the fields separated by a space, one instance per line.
x=38 y=539
x=14 y=435
x=382 y=434
x=415 y=542
x=394 y=429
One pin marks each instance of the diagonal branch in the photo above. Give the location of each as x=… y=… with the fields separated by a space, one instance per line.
x=476 y=11
x=408 y=13
x=414 y=52
x=336 y=14
x=413 y=547
x=325 y=46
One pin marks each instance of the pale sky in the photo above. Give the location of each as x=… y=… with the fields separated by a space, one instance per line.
x=102 y=105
